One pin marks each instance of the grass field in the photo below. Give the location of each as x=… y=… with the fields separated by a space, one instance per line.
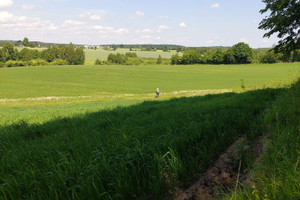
x=78 y=132
x=97 y=81
x=91 y=55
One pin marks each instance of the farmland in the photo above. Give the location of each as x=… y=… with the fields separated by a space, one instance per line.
x=98 y=132
x=92 y=55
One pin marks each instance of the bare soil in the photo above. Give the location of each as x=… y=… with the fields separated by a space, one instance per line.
x=222 y=176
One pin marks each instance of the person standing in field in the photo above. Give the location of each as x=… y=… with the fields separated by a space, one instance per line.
x=157 y=92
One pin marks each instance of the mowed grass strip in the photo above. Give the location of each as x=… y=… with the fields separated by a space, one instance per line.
x=135 y=152
x=30 y=82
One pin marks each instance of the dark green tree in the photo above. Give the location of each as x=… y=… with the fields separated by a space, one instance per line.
x=25 y=41
x=159 y=60
x=79 y=56
x=175 y=59
x=283 y=20
x=9 y=52
x=243 y=54
x=270 y=57
x=229 y=57
x=218 y=57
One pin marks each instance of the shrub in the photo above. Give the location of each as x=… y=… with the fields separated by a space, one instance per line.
x=59 y=62
x=11 y=63
x=98 y=62
x=131 y=55
x=38 y=62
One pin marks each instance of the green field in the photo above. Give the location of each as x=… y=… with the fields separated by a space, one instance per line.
x=92 y=55
x=98 y=132
x=97 y=81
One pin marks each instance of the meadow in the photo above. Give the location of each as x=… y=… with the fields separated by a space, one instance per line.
x=92 y=55
x=98 y=132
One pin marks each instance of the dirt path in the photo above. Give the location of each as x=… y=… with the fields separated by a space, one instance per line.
x=222 y=175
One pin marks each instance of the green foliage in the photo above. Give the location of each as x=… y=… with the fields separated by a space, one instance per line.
x=12 y=63
x=175 y=59
x=270 y=57
x=191 y=57
x=243 y=54
x=283 y=20
x=131 y=55
x=25 y=41
x=159 y=60
x=9 y=52
x=277 y=173
x=218 y=57
x=229 y=57
x=59 y=62
x=27 y=54
x=117 y=58
x=98 y=62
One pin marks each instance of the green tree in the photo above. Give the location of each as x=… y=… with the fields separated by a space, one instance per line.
x=229 y=57
x=270 y=57
x=79 y=56
x=159 y=60
x=243 y=54
x=191 y=57
x=9 y=52
x=218 y=57
x=175 y=59
x=283 y=20
x=25 y=41
x=296 y=56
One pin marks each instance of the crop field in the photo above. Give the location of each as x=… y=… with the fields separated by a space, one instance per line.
x=98 y=132
x=92 y=55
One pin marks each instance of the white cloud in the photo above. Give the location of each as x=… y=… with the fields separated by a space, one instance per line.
x=139 y=13
x=146 y=30
x=161 y=28
x=210 y=41
x=182 y=24
x=216 y=5
x=147 y=37
x=110 y=30
x=121 y=31
x=73 y=22
x=90 y=16
x=164 y=17
x=6 y=3
x=27 y=7
x=244 y=40
x=6 y=16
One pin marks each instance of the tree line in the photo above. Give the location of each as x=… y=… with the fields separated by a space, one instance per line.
x=240 y=53
x=56 y=55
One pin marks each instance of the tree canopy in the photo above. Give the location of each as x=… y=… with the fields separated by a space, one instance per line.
x=284 y=19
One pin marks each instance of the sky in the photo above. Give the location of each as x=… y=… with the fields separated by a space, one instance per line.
x=96 y=22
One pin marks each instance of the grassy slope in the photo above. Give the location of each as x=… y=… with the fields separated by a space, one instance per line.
x=277 y=175
x=101 y=80
x=125 y=153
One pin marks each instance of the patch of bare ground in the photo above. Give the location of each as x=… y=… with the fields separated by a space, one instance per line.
x=224 y=175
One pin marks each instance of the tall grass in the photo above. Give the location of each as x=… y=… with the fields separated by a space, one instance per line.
x=135 y=152
x=277 y=175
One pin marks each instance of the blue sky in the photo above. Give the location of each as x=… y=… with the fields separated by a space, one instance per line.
x=184 y=22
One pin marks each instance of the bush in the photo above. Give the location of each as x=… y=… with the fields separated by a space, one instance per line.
x=98 y=62
x=131 y=55
x=11 y=63
x=38 y=62
x=59 y=62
